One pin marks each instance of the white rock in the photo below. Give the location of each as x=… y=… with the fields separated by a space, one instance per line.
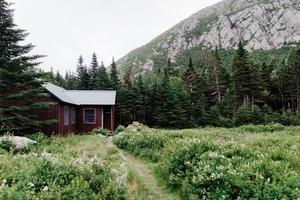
x=18 y=142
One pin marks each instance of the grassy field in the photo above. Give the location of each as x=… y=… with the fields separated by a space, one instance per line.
x=249 y=162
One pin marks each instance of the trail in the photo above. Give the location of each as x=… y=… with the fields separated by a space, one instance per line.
x=149 y=182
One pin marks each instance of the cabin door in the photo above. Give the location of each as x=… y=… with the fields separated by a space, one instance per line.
x=107 y=118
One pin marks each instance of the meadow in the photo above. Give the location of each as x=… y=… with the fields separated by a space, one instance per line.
x=249 y=162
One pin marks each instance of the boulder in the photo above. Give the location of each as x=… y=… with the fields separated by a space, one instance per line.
x=135 y=125
x=18 y=142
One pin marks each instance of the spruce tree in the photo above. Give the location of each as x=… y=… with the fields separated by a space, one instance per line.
x=294 y=63
x=114 y=76
x=93 y=71
x=214 y=76
x=102 y=79
x=20 y=85
x=242 y=74
x=82 y=76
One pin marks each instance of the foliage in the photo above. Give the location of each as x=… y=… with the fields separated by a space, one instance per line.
x=249 y=162
x=100 y=131
x=20 y=84
x=52 y=171
x=142 y=144
x=6 y=145
x=120 y=129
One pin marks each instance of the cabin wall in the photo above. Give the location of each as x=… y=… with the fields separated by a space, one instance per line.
x=49 y=114
x=56 y=112
x=84 y=127
x=69 y=128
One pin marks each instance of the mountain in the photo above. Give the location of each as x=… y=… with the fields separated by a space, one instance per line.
x=261 y=24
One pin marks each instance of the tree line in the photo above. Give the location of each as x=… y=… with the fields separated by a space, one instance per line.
x=208 y=94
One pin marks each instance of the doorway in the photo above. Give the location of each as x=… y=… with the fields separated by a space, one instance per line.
x=107 y=117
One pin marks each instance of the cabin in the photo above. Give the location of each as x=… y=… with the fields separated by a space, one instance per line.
x=78 y=111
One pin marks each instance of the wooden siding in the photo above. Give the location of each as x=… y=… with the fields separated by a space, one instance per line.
x=84 y=127
x=56 y=112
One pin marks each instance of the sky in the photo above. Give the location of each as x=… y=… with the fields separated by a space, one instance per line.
x=65 y=29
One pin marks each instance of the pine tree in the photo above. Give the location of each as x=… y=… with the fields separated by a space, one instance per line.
x=59 y=80
x=70 y=81
x=214 y=76
x=294 y=63
x=82 y=76
x=242 y=75
x=114 y=76
x=93 y=71
x=190 y=78
x=140 y=98
x=169 y=71
x=20 y=85
x=103 y=82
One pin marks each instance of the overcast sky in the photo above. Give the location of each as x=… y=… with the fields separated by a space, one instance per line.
x=65 y=29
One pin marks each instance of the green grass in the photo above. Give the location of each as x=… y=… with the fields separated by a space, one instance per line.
x=249 y=162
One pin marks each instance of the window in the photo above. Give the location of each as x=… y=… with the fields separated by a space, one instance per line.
x=66 y=115
x=73 y=115
x=89 y=116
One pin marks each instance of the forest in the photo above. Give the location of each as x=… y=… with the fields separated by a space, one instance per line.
x=207 y=91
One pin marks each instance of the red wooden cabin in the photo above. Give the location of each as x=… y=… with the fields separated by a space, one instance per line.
x=78 y=111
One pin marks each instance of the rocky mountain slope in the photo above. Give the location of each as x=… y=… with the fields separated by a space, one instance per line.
x=262 y=24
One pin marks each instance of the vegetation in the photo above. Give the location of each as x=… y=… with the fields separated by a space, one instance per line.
x=216 y=88
x=19 y=81
x=249 y=162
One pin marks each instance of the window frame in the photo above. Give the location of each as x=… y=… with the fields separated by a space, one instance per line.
x=66 y=115
x=73 y=115
x=95 y=115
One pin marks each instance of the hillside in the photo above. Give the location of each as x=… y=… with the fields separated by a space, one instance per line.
x=262 y=24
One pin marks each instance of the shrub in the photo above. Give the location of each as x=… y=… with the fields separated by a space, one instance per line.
x=100 y=131
x=202 y=170
x=6 y=145
x=261 y=128
x=120 y=129
x=143 y=144
x=48 y=180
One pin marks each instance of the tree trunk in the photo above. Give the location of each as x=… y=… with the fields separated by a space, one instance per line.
x=217 y=83
x=298 y=94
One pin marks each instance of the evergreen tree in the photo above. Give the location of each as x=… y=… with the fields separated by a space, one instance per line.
x=20 y=85
x=59 y=80
x=114 y=76
x=93 y=71
x=216 y=86
x=70 y=81
x=82 y=76
x=242 y=75
x=103 y=82
x=190 y=78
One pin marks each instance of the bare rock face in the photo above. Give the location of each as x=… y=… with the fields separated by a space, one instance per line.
x=262 y=24
x=18 y=142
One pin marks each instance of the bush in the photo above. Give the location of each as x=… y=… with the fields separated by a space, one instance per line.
x=100 y=131
x=6 y=145
x=48 y=180
x=120 y=129
x=261 y=128
x=202 y=170
x=143 y=144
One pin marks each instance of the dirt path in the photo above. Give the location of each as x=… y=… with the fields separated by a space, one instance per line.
x=145 y=175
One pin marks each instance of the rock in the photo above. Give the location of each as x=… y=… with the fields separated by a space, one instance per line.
x=261 y=24
x=135 y=125
x=18 y=142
